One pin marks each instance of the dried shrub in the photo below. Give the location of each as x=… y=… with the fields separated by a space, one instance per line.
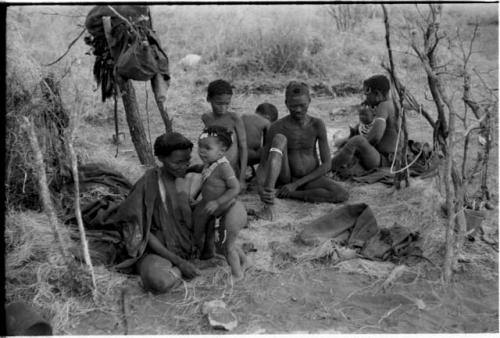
x=30 y=93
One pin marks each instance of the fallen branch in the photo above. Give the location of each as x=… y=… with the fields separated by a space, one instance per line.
x=393 y=275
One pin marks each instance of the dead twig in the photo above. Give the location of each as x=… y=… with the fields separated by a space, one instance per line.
x=388 y=313
x=393 y=275
x=125 y=310
x=67 y=51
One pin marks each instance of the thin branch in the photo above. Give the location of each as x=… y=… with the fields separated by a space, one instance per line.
x=67 y=51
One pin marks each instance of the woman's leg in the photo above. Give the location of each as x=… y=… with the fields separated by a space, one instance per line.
x=157 y=273
x=357 y=146
x=322 y=189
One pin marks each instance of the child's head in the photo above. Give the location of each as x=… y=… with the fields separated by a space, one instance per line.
x=213 y=142
x=268 y=111
x=376 y=89
x=365 y=114
x=174 y=151
x=219 y=95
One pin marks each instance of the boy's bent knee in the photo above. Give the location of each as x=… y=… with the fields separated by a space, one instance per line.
x=157 y=274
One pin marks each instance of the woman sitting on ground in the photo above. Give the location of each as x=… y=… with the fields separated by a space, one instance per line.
x=373 y=141
x=155 y=220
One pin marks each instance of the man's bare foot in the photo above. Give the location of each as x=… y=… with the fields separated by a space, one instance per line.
x=266 y=213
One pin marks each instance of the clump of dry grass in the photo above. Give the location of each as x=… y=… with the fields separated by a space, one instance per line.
x=37 y=274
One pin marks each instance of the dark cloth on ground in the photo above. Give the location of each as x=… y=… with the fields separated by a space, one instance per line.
x=357 y=219
x=355 y=226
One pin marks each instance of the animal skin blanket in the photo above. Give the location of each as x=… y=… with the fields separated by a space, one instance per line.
x=126 y=222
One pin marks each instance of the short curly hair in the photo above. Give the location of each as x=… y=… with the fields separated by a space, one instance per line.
x=268 y=111
x=218 y=87
x=378 y=82
x=222 y=134
x=167 y=143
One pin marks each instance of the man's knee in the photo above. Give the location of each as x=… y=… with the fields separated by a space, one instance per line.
x=279 y=141
x=157 y=274
x=340 y=195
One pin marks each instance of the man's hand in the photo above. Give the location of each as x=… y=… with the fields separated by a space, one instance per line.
x=267 y=195
x=286 y=190
x=211 y=207
x=188 y=270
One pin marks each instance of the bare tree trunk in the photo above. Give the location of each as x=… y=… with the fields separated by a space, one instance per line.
x=44 y=189
x=137 y=132
x=160 y=87
x=460 y=222
x=454 y=195
x=484 y=174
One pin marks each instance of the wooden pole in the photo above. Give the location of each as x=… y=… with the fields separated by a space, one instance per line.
x=127 y=92
x=78 y=212
x=137 y=132
x=44 y=188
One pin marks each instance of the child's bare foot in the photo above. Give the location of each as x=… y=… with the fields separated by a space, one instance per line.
x=238 y=276
x=266 y=213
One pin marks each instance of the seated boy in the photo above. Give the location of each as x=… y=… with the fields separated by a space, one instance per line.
x=256 y=127
x=219 y=95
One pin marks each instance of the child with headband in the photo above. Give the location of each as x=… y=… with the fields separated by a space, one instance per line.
x=219 y=189
x=219 y=94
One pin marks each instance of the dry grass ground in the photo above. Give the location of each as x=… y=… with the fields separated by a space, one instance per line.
x=279 y=294
x=309 y=296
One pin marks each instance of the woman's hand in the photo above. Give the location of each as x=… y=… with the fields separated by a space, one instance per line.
x=188 y=270
x=211 y=207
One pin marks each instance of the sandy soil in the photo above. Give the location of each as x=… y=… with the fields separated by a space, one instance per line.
x=281 y=295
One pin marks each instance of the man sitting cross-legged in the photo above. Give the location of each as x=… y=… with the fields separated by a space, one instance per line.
x=290 y=160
